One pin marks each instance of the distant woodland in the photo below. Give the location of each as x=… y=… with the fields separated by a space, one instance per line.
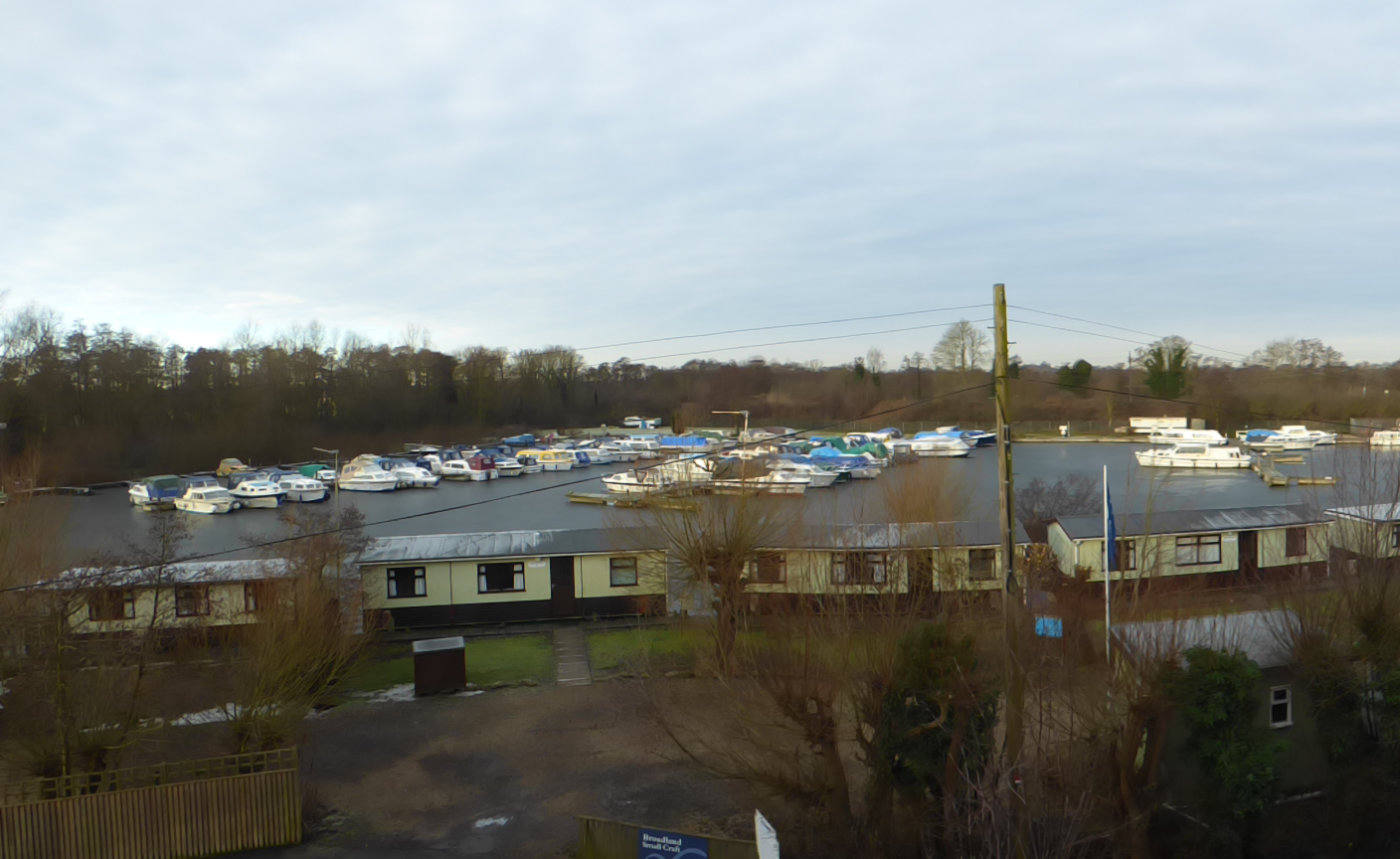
x=98 y=404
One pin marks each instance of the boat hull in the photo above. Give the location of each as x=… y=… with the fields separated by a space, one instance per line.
x=207 y=508
x=258 y=502
x=369 y=485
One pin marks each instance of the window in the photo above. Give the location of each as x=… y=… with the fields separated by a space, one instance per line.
x=1200 y=549
x=1295 y=542
x=858 y=568
x=111 y=604
x=622 y=572
x=919 y=563
x=258 y=596
x=407 y=582
x=191 y=600
x=500 y=577
x=1127 y=555
x=1280 y=706
x=982 y=564
x=1395 y=536
x=770 y=568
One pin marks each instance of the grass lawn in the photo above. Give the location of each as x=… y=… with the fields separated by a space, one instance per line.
x=507 y=659
x=656 y=648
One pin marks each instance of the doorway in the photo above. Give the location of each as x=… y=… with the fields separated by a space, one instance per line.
x=1249 y=554
x=562 y=602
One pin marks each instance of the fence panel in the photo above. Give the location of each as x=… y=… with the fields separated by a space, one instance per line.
x=253 y=805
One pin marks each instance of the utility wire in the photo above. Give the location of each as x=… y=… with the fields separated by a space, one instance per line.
x=782 y=325
x=264 y=544
x=803 y=340
x=1120 y=328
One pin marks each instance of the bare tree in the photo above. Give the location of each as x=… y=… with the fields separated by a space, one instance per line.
x=963 y=347
x=875 y=360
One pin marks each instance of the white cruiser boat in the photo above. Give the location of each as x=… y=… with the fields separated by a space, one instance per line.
x=207 y=498
x=1273 y=441
x=1187 y=436
x=618 y=452
x=686 y=469
x=772 y=483
x=509 y=466
x=256 y=491
x=597 y=454
x=411 y=476
x=1193 y=456
x=298 y=487
x=156 y=493
x=364 y=474
x=528 y=464
x=645 y=448
x=1385 y=438
x=938 y=445
x=817 y=477
x=1299 y=431
x=638 y=481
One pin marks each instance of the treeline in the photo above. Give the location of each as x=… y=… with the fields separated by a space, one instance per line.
x=98 y=403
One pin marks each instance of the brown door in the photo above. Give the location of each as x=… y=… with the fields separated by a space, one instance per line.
x=1249 y=554
x=561 y=587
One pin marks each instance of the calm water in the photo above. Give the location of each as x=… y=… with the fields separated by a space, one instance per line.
x=107 y=522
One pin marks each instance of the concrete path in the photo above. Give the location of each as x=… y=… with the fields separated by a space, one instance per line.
x=571 y=657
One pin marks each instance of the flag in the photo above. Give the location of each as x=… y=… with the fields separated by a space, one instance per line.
x=1110 y=529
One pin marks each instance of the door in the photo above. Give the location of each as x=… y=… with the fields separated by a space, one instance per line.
x=561 y=587
x=1249 y=554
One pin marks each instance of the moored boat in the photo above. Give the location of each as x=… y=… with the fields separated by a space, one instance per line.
x=1193 y=456
x=255 y=490
x=364 y=474
x=205 y=496
x=298 y=487
x=1385 y=438
x=638 y=481
x=1187 y=436
x=155 y=493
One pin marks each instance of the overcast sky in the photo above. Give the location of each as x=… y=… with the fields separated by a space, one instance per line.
x=516 y=174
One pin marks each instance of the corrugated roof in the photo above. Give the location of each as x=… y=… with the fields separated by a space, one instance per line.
x=587 y=541
x=1192 y=521
x=1260 y=635
x=1388 y=511
x=193 y=572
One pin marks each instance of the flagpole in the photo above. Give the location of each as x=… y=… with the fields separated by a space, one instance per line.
x=1107 y=615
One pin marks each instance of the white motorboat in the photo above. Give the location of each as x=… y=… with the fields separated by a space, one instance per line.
x=937 y=445
x=686 y=469
x=1187 y=436
x=256 y=491
x=298 y=487
x=456 y=469
x=364 y=474
x=1385 y=438
x=817 y=477
x=411 y=476
x=509 y=466
x=638 y=481
x=1300 y=431
x=1273 y=441
x=618 y=452
x=645 y=448
x=772 y=483
x=528 y=464
x=207 y=498
x=597 y=453
x=156 y=493
x=1193 y=456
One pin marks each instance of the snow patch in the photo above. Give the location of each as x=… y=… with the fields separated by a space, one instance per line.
x=212 y=716
x=491 y=821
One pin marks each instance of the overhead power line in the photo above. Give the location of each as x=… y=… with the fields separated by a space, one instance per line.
x=804 y=340
x=1202 y=346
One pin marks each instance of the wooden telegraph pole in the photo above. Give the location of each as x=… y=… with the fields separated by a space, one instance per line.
x=1012 y=600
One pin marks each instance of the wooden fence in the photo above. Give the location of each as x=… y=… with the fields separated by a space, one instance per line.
x=185 y=808
x=611 y=839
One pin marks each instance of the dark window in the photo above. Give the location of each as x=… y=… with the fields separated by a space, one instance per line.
x=500 y=577
x=1127 y=555
x=982 y=564
x=258 y=596
x=407 y=582
x=622 y=572
x=1395 y=536
x=770 y=567
x=1200 y=549
x=1280 y=706
x=1295 y=542
x=919 y=562
x=858 y=568
x=111 y=604
x=191 y=600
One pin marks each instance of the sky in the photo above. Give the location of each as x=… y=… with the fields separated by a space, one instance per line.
x=520 y=174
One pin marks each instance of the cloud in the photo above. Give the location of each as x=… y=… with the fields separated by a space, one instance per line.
x=520 y=174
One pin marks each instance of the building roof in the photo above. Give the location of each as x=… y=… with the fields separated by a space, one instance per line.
x=1191 y=521
x=1260 y=635
x=1386 y=511
x=594 y=541
x=188 y=573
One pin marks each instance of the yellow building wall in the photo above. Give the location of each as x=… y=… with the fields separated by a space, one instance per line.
x=809 y=572
x=465 y=591
x=1367 y=539
x=226 y=608
x=1156 y=553
x=438 y=578
x=592 y=575
x=1273 y=546
x=455 y=582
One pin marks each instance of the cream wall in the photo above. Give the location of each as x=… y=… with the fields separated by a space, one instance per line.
x=1368 y=539
x=1156 y=553
x=809 y=572
x=226 y=608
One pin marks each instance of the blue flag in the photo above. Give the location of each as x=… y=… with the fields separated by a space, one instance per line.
x=1112 y=535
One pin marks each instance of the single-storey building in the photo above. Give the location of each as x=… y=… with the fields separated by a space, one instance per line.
x=446 y=579
x=1367 y=531
x=1229 y=546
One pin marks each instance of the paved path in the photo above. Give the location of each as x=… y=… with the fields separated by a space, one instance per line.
x=571 y=657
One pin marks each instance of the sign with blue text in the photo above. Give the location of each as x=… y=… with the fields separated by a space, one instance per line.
x=656 y=844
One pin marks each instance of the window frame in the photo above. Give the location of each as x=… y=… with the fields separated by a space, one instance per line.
x=973 y=573
x=1197 y=543
x=623 y=563
x=126 y=597
x=419 y=574
x=1286 y=702
x=768 y=560
x=1127 y=548
x=517 y=571
x=201 y=599
x=1395 y=536
x=872 y=567
x=1291 y=535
